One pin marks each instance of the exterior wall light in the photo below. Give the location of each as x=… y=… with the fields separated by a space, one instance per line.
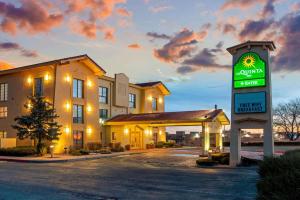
x=146 y=131
x=89 y=83
x=68 y=78
x=126 y=131
x=160 y=132
x=89 y=108
x=150 y=97
x=101 y=121
x=47 y=77
x=89 y=131
x=29 y=80
x=150 y=132
x=68 y=106
x=160 y=100
x=67 y=130
x=29 y=105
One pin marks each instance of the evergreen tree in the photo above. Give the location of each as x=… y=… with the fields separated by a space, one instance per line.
x=39 y=124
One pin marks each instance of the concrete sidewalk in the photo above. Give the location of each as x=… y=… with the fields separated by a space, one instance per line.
x=67 y=158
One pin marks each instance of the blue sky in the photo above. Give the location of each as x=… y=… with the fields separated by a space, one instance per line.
x=182 y=43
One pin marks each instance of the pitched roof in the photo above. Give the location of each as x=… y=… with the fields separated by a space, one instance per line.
x=57 y=61
x=266 y=44
x=196 y=116
x=159 y=84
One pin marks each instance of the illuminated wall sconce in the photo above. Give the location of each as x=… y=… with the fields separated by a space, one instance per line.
x=68 y=78
x=47 y=77
x=149 y=98
x=150 y=132
x=89 y=108
x=126 y=131
x=29 y=80
x=89 y=83
x=101 y=121
x=89 y=131
x=68 y=106
x=160 y=132
x=160 y=100
x=146 y=131
x=29 y=105
x=67 y=130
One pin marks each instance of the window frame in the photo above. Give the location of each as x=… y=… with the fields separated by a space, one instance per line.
x=154 y=99
x=3 y=92
x=3 y=112
x=76 y=118
x=41 y=88
x=75 y=87
x=100 y=112
x=3 y=134
x=132 y=100
x=102 y=96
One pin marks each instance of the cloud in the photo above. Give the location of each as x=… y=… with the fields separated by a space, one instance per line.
x=288 y=58
x=87 y=29
x=11 y=46
x=134 y=46
x=268 y=9
x=254 y=29
x=5 y=65
x=158 y=36
x=160 y=8
x=123 y=12
x=295 y=7
x=31 y=16
x=180 y=46
x=228 y=28
x=241 y=4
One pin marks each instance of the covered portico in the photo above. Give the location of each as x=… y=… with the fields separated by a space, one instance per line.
x=147 y=125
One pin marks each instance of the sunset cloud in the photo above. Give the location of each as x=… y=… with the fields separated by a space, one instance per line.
x=11 y=46
x=241 y=4
x=31 y=17
x=161 y=8
x=134 y=46
x=155 y=35
x=123 y=12
x=5 y=65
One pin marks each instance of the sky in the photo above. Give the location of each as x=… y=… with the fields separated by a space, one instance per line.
x=180 y=42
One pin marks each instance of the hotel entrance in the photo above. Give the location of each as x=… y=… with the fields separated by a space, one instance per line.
x=77 y=139
x=135 y=140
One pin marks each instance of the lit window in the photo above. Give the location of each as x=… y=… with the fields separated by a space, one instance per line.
x=3 y=134
x=78 y=114
x=103 y=95
x=132 y=100
x=38 y=87
x=154 y=103
x=77 y=88
x=103 y=113
x=3 y=91
x=3 y=112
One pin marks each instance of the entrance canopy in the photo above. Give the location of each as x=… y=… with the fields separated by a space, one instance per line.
x=183 y=118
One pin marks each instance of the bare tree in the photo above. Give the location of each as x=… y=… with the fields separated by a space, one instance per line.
x=287 y=118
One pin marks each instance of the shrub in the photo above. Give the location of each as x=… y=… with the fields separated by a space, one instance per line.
x=206 y=162
x=221 y=158
x=78 y=152
x=279 y=177
x=105 y=151
x=127 y=147
x=150 y=146
x=116 y=147
x=160 y=144
x=18 y=151
x=93 y=146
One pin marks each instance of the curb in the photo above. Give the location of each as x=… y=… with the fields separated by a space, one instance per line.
x=65 y=160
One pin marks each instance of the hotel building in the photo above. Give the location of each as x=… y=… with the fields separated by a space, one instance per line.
x=93 y=107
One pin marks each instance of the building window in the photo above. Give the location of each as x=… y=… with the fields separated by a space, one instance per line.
x=154 y=103
x=3 y=134
x=103 y=95
x=132 y=100
x=3 y=112
x=113 y=136
x=38 y=87
x=77 y=88
x=103 y=113
x=77 y=114
x=78 y=139
x=3 y=91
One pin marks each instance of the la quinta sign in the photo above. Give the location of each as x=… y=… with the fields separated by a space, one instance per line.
x=249 y=71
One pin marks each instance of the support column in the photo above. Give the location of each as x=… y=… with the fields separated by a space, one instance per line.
x=205 y=139
x=235 y=146
x=219 y=139
x=268 y=140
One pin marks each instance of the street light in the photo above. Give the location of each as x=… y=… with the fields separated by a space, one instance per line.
x=51 y=150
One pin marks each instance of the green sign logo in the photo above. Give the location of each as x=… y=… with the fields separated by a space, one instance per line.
x=249 y=71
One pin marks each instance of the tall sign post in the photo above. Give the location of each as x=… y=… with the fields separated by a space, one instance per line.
x=251 y=96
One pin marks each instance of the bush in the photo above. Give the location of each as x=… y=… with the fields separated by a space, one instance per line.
x=105 y=151
x=221 y=158
x=279 y=177
x=150 y=146
x=160 y=144
x=206 y=162
x=127 y=147
x=169 y=144
x=116 y=147
x=93 y=146
x=18 y=151
x=78 y=152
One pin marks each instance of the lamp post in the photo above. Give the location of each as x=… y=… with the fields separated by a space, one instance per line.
x=51 y=150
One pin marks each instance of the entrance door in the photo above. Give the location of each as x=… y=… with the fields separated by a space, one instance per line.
x=135 y=140
x=78 y=139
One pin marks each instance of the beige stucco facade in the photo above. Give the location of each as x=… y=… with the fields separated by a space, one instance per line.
x=58 y=88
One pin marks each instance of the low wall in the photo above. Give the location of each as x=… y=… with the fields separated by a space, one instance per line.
x=8 y=142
